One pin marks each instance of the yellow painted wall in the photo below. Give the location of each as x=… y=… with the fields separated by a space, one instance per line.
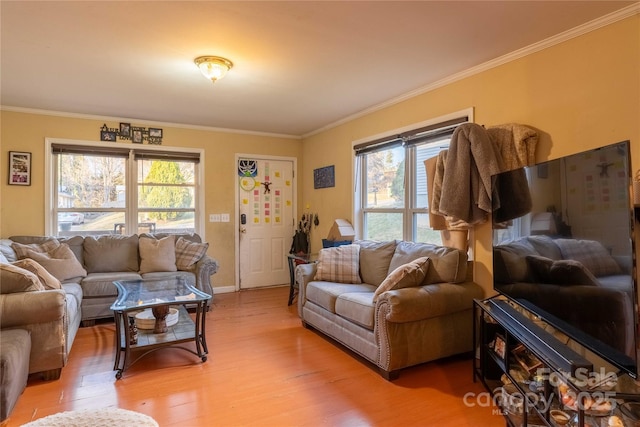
x=580 y=94
x=22 y=208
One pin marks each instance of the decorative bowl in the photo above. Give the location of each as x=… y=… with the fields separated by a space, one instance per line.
x=145 y=319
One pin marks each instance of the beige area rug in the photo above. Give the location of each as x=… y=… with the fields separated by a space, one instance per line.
x=104 y=417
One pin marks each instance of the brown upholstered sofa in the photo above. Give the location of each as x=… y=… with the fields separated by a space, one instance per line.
x=401 y=326
x=53 y=316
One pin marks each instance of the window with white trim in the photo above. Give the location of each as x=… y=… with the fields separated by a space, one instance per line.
x=392 y=183
x=118 y=190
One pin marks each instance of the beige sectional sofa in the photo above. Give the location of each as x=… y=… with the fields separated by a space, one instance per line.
x=86 y=268
x=406 y=303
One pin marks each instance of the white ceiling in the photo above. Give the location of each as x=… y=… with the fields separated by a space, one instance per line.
x=299 y=65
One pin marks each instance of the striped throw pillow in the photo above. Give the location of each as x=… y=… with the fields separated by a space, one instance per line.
x=340 y=264
x=188 y=253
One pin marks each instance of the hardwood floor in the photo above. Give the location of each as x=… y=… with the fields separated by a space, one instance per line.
x=264 y=369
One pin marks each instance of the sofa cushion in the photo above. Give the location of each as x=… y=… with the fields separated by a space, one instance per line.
x=405 y=276
x=545 y=246
x=101 y=284
x=15 y=279
x=339 y=264
x=591 y=253
x=60 y=262
x=375 y=258
x=445 y=264
x=157 y=254
x=358 y=307
x=160 y=275
x=111 y=253
x=76 y=243
x=325 y=294
x=188 y=253
x=46 y=278
x=44 y=246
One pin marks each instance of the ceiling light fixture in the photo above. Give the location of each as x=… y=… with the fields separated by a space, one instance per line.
x=213 y=67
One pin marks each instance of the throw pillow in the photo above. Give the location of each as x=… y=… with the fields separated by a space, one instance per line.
x=591 y=253
x=60 y=262
x=188 y=253
x=405 y=276
x=340 y=264
x=111 y=253
x=540 y=269
x=22 y=249
x=46 y=278
x=571 y=273
x=375 y=258
x=157 y=254
x=15 y=279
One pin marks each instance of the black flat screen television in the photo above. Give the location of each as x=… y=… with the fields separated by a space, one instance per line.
x=563 y=248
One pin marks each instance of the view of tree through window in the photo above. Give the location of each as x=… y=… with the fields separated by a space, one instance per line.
x=395 y=199
x=93 y=194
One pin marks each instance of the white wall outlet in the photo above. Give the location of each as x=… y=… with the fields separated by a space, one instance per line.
x=224 y=217
x=214 y=218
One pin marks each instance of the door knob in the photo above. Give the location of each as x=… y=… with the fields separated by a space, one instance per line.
x=243 y=229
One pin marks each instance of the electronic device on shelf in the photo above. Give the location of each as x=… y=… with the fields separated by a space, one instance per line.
x=557 y=228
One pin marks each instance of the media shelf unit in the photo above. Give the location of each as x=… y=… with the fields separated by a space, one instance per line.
x=512 y=345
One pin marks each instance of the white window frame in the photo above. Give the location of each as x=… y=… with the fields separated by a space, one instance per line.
x=51 y=209
x=359 y=176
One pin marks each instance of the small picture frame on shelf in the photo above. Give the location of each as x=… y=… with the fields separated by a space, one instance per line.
x=136 y=136
x=125 y=130
x=155 y=132
x=526 y=359
x=500 y=346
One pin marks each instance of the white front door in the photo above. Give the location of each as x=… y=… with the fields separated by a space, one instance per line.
x=265 y=200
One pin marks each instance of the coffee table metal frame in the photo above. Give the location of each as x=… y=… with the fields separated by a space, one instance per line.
x=137 y=295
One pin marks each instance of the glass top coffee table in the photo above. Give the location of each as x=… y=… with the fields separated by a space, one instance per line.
x=161 y=296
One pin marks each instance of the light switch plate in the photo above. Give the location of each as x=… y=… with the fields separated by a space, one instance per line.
x=224 y=217
x=214 y=218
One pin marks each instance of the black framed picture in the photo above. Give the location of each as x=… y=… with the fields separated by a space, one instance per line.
x=136 y=136
x=324 y=177
x=19 y=168
x=155 y=133
x=125 y=130
x=107 y=135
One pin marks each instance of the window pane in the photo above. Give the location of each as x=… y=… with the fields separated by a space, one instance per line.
x=91 y=181
x=90 y=223
x=166 y=172
x=166 y=222
x=383 y=226
x=385 y=178
x=423 y=231
x=165 y=196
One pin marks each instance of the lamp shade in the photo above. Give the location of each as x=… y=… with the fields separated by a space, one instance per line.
x=213 y=67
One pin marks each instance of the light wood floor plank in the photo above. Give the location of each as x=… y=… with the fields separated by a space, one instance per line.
x=264 y=369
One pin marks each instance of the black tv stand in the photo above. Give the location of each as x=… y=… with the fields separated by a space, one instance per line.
x=516 y=355
x=540 y=342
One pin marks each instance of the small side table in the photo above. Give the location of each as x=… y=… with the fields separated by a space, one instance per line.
x=294 y=260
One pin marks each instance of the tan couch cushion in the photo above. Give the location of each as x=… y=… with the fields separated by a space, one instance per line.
x=357 y=307
x=47 y=279
x=15 y=279
x=339 y=264
x=445 y=264
x=111 y=253
x=157 y=254
x=188 y=253
x=325 y=294
x=60 y=262
x=375 y=258
x=405 y=276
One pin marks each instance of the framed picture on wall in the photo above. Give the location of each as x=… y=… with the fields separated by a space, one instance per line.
x=19 y=168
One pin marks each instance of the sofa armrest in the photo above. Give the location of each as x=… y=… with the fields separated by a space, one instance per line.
x=425 y=302
x=29 y=308
x=304 y=274
x=203 y=270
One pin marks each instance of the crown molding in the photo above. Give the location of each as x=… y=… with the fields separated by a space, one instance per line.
x=143 y=122
x=580 y=30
